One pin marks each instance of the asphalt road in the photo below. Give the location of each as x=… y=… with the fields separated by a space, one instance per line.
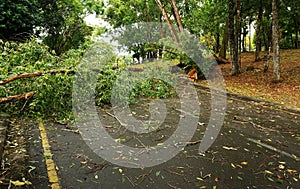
x=257 y=147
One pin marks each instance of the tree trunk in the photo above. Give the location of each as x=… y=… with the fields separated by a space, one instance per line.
x=296 y=32
x=258 y=29
x=244 y=40
x=238 y=32
x=217 y=45
x=266 y=67
x=223 y=49
x=177 y=15
x=250 y=44
x=235 y=66
x=172 y=30
x=275 y=35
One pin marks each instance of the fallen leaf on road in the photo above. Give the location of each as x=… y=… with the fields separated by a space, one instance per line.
x=17 y=183
x=200 y=179
x=290 y=171
x=232 y=165
x=269 y=172
x=281 y=167
x=229 y=148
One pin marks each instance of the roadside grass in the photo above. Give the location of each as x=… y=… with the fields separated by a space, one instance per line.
x=257 y=84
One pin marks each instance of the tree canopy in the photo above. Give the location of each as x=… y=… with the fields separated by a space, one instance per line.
x=227 y=28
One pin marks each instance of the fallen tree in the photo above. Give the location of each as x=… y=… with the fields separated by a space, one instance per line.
x=221 y=60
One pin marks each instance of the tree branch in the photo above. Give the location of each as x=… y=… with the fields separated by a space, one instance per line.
x=16 y=97
x=35 y=74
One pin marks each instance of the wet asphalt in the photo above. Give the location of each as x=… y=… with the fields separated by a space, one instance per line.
x=258 y=147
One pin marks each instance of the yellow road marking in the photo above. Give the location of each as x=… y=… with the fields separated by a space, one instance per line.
x=52 y=174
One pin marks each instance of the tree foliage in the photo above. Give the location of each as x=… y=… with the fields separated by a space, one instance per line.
x=60 y=25
x=18 y=19
x=52 y=92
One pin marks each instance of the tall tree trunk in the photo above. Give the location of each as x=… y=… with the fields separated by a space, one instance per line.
x=296 y=32
x=275 y=36
x=244 y=40
x=258 y=29
x=238 y=32
x=162 y=34
x=224 y=41
x=177 y=15
x=266 y=67
x=217 y=45
x=235 y=69
x=250 y=33
x=172 y=30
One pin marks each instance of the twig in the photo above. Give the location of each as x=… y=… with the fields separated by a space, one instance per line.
x=141 y=143
x=70 y=130
x=254 y=124
x=143 y=176
x=193 y=142
x=174 y=173
x=121 y=124
x=133 y=184
x=24 y=105
x=171 y=186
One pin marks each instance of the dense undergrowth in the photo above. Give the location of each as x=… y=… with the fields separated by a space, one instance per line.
x=53 y=92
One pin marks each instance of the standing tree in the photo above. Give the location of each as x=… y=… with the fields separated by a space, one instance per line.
x=177 y=15
x=233 y=38
x=224 y=45
x=167 y=17
x=275 y=37
x=63 y=22
x=258 y=30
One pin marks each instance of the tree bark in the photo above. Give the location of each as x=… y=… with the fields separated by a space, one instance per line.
x=235 y=66
x=221 y=60
x=35 y=74
x=275 y=36
x=172 y=30
x=244 y=34
x=238 y=33
x=223 y=49
x=16 y=97
x=250 y=39
x=258 y=29
x=266 y=67
x=296 y=32
x=217 y=45
x=177 y=15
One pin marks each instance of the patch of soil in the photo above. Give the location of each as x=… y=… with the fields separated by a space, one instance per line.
x=253 y=82
x=14 y=163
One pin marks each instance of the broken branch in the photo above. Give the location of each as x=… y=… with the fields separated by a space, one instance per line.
x=16 y=97
x=35 y=74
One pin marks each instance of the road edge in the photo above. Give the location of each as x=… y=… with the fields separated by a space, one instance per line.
x=250 y=99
